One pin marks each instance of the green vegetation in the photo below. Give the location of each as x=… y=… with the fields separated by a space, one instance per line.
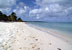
x=19 y=20
x=11 y=18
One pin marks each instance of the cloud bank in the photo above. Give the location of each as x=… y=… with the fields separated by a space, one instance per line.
x=45 y=10
x=54 y=10
x=6 y=5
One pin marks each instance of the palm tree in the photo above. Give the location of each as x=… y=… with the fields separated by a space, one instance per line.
x=1 y=14
x=19 y=20
x=5 y=18
x=12 y=17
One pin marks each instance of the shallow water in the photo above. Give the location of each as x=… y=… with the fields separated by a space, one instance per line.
x=64 y=27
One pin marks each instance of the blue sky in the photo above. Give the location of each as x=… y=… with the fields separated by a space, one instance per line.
x=39 y=10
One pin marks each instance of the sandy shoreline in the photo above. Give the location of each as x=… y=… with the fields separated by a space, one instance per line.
x=55 y=33
x=20 y=36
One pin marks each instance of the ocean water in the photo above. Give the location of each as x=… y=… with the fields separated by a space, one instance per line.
x=62 y=26
x=65 y=27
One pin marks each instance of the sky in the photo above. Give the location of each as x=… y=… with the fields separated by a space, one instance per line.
x=39 y=10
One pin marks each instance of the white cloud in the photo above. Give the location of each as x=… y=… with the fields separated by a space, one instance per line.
x=21 y=10
x=48 y=8
x=47 y=11
x=48 y=1
x=58 y=9
x=6 y=10
x=21 y=4
x=55 y=7
x=7 y=3
x=6 y=6
x=34 y=11
x=44 y=2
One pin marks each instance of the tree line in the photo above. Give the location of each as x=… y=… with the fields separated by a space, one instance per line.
x=11 y=18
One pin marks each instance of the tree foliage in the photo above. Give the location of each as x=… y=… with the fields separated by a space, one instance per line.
x=11 y=18
x=19 y=20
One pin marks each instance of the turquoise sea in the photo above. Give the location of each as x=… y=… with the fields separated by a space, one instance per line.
x=62 y=26
x=65 y=27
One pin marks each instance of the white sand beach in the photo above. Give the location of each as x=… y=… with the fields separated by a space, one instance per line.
x=20 y=36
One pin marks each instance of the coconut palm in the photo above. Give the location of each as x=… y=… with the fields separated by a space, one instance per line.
x=12 y=17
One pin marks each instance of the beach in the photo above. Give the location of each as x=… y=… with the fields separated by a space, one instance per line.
x=21 y=36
